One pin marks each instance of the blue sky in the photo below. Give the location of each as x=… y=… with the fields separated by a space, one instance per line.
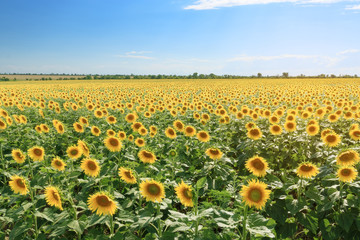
x=241 y=37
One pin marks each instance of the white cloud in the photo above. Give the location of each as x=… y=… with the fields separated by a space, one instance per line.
x=355 y=7
x=135 y=54
x=214 y=4
x=348 y=51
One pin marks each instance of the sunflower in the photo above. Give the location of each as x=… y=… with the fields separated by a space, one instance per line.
x=214 y=153
x=312 y=129
x=95 y=131
x=326 y=132
x=111 y=119
x=18 y=155
x=121 y=135
x=170 y=133
x=60 y=128
x=254 y=133
x=257 y=166
x=52 y=197
x=130 y=118
x=44 y=128
x=143 y=131
x=74 y=152
x=152 y=190
x=90 y=167
x=147 y=156
x=189 y=131
x=58 y=164
x=2 y=125
x=127 y=175
x=153 y=129
x=131 y=137
x=255 y=194
x=78 y=127
x=102 y=203
x=203 y=136
x=98 y=113
x=347 y=158
x=38 y=129
x=347 y=174
x=140 y=142
x=110 y=133
x=332 y=140
x=275 y=129
x=307 y=170
x=183 y=192
x=178 y=125
x=18 y=185
x=290 y=126
x=36 y=153
x=84 y=147
x=250 y=125
x=113 y=144
x=355 y=134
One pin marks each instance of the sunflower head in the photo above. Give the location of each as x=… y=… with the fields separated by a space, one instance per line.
x=214 y=153
x=78 y=127
x=290 y=126
x=18 y=185
x=347 y=174
x=275 y=129
x=74 y=152
x=36 y=153
x=111 y=119
x=127 y=175
x=355 y=134
x=52 y=197
x=147 y=156
x=95 y=131
x=331 y=140
x=18 y=155
x=102 y=203
x=60 y=128
x=178 y=125
x=84 y=148
x=257 y=166
x=140 y=142
x=121 y=135
x=170 y=133
x=312 y=129
x=255 y=194
x=189 y=131
x=58 y=164
x=184 y=193
x=90 y=167
x=152 y=190
x=347 y=158
x=254 y=133
x=307 y=170
x=203 y=136
x=113 y=144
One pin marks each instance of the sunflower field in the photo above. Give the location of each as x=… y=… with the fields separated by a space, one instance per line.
x=180 y=159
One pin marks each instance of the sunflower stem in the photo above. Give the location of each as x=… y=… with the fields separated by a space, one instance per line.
x=340 y=195
x=111 y=225
x=244 y=223
x=196 y=211
x=2 y=160
x=34 y=210
x=159 y=220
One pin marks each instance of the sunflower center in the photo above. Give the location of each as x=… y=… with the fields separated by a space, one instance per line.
x=203 y=135
x=96 y=130
x=214 y=151
x=255 y=195
x=187 y=193
x=147 y=154
x=171 y=132
x=312 y=129
x=179 y=125
x=18 y=155
x=130 y=117
x=189 y=130
x=331 y=138
x=254 y=132
x=56 y=196
x=122 y=135
x=258 y=164
x=20 y=183
x=37 y=152
x=114 y=142
x=91 y=165
x=346 y=172
x=60 y=127
x=111 y=119
x=346 y=157
x=276 y=128
x=153 y=189
x=128 y=174
x=357 y=133
x=306 y=168
x=58 y=163
x=103 y=201
x=74 y=152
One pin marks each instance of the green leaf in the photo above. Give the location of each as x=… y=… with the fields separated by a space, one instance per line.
x=257 y=225
x=201 y=183
x=19 y=228
x=345 y=220
x=309 y=221
x=42 y=215
x=75 y=225
x=294 y=205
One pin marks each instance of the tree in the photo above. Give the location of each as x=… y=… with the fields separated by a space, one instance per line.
x=259 y=75
x=195 y=75
x=285 y=74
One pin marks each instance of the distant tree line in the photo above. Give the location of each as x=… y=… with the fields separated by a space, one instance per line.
x=195 y=75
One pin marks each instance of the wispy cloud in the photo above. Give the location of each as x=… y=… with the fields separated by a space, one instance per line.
x=348 y=51
x=355 y=7
x=214 y=4
x=135 y=54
